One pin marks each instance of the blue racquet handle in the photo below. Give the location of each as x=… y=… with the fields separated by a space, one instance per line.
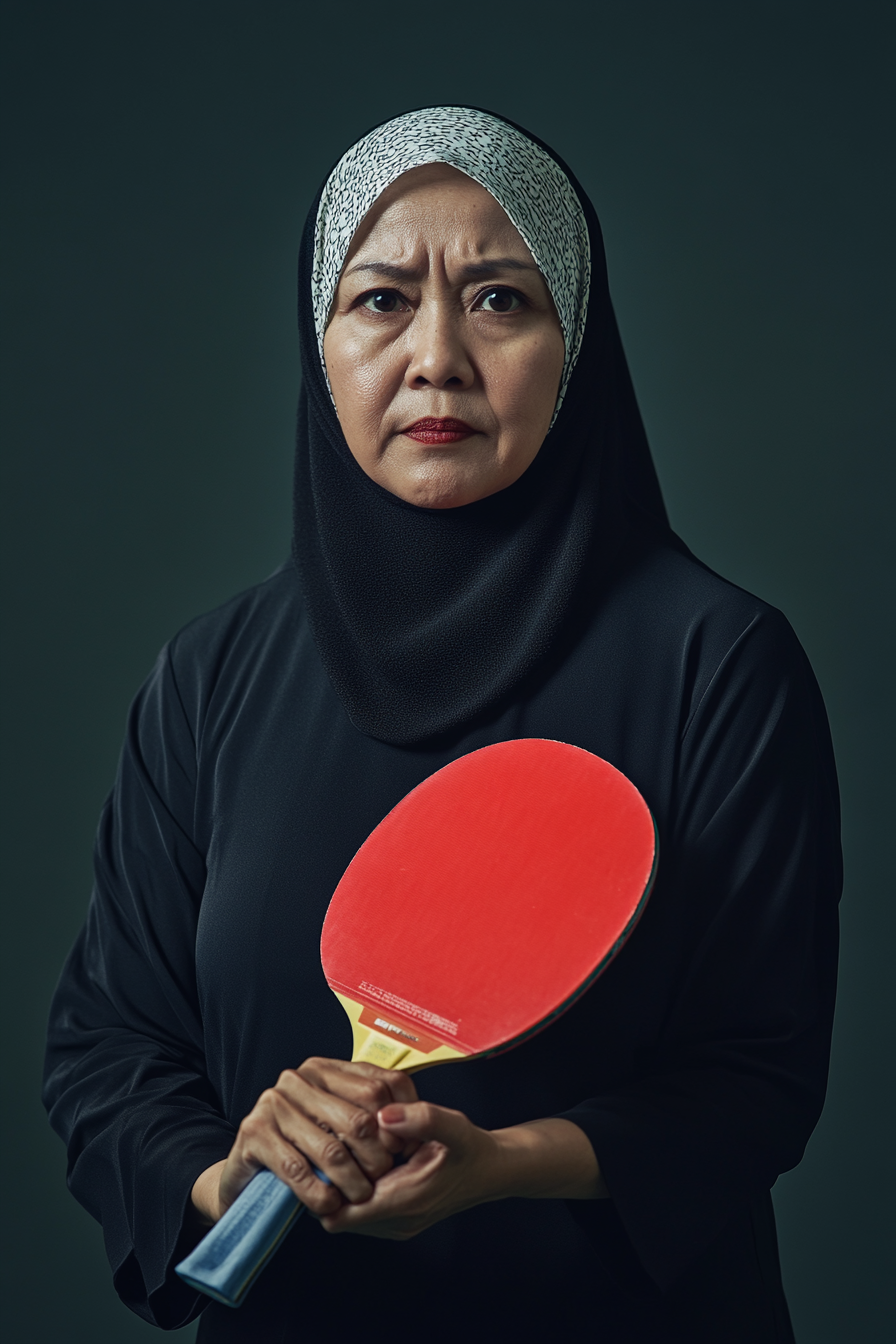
x=230 y=1257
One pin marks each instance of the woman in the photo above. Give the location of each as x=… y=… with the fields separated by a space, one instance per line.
x=480 y=553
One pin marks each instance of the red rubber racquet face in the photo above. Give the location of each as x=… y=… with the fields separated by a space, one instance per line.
x=492 y=895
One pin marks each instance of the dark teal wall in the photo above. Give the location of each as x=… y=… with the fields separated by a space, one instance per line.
x=162 y=159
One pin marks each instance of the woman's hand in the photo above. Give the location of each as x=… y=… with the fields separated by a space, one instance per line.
x=456 y=1165
x=322 y=1114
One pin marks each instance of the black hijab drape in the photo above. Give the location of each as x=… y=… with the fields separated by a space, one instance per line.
x=427 y=619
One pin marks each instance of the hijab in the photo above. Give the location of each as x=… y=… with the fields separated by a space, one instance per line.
x=427 y=620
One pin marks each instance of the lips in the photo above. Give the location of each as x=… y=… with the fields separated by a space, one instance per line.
x=435 y=430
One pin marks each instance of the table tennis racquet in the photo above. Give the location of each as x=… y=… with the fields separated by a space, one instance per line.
x=478 y=910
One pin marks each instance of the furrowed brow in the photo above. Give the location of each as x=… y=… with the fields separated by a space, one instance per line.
x=479 y=270
x=474 y=270
x=386 y=269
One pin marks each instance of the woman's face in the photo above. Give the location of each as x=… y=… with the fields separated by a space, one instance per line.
x=443 y=350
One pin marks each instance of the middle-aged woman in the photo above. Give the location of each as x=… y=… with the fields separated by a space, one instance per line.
x=481 y=553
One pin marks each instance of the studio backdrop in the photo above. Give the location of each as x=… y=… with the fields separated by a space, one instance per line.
x=160 y=160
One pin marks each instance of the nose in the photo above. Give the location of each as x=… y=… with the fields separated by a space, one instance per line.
x=439 y=356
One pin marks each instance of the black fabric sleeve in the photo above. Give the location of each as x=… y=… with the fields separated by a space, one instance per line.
x=125 y=1083
x=752 y=865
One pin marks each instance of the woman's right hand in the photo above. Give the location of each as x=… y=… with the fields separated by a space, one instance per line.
x=321 y=1114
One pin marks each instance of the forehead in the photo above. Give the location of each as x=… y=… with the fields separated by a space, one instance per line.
x=436 y=205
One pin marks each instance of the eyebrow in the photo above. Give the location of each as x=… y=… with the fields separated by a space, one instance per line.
x=474 y=270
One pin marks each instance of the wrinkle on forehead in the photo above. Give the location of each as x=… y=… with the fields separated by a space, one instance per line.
x=405 y=210
x=407 y=204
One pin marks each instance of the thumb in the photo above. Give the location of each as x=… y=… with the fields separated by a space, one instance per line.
x=422 y=1121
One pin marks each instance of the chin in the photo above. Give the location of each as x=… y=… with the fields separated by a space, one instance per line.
x=438 y=491
x=436 y=499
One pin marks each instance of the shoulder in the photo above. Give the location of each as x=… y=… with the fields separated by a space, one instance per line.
x=687 y=639
x=246 y=616
x=675 y=604
x=728 y=697
x=240 y=627
x=677 y=594
x=232 y=644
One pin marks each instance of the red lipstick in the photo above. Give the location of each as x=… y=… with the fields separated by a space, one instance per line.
x=434 y=430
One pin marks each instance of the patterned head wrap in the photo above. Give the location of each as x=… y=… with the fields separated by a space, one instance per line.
x=527 y=183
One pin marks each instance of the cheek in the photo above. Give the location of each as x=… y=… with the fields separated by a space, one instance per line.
x=525 y=380
x=364 y=378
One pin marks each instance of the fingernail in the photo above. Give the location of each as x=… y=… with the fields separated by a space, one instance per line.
x=391 y=1115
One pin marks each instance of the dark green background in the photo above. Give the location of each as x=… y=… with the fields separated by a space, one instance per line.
x=162 y=159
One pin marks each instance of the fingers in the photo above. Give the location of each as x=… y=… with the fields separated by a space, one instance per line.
x=343 y=1127
x=276 y=1135
x=420 y=1121
x=364 y=1084
x=368 y=1087
x=448 y=1172
x=259 y=1143
x=404 y=1201
x=322 y=1115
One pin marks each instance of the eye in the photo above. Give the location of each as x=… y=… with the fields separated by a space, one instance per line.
x=383 y=301
x=499 y=300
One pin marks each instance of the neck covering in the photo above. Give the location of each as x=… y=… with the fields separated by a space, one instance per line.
x=427 y=620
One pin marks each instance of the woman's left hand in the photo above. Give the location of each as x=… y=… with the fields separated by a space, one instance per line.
x=457 y=1165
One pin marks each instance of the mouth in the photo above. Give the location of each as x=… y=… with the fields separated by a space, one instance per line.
x=433 y=430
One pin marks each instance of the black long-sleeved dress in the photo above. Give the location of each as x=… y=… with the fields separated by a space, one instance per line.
x=696 y=1065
